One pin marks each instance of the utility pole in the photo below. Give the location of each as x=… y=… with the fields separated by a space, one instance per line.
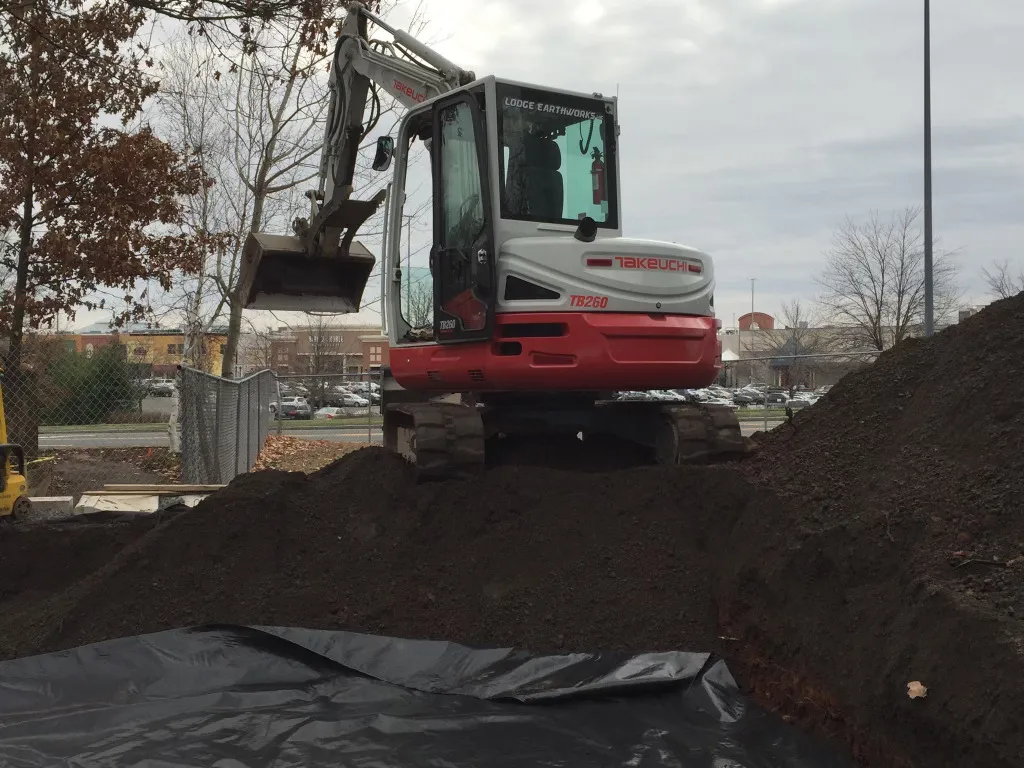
x=929 y=309
x=752 y=281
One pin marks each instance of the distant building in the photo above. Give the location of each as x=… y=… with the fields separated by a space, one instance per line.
x=155 y=351
x=304 y=350
x=757 y=321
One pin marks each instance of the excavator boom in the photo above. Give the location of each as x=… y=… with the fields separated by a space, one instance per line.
x=318 y=269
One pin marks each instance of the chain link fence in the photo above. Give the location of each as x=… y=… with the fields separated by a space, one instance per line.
x=328 y=401
x=86 y=420
x=222 y=423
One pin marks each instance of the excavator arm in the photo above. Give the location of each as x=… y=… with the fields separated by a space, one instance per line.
x=320 y=268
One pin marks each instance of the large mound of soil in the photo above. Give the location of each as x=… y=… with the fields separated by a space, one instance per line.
x=869 y=545
x=531 y=557
x=899 y=557
x=38 y=561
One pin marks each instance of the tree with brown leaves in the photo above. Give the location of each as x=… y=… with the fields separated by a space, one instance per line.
x=94 y=207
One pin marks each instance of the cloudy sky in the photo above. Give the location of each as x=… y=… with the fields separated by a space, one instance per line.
x=751 y=128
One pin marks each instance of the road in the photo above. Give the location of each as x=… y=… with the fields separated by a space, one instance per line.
x=157 y=438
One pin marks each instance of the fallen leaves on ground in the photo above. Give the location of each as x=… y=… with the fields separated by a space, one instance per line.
x=296 y=454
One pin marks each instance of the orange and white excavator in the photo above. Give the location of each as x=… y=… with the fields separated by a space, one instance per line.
x=542 y=309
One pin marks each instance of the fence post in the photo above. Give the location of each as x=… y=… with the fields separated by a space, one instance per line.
x=238 y=426
x=277 y=414
x=369 y=408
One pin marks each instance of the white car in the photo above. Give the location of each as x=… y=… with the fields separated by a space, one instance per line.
x=329 y=413
x=354 y=401
x=289 y=401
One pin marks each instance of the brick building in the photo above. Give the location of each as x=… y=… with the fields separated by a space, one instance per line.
x=327 y=349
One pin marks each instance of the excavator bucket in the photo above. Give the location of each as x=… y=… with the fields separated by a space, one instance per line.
x=279 y=272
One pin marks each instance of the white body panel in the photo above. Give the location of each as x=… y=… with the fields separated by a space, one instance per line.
x=644 y=276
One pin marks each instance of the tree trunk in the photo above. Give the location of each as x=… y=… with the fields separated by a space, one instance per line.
x=21 y=279
x=227 y=366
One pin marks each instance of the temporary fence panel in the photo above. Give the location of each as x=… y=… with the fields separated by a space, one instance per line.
x=224 y=423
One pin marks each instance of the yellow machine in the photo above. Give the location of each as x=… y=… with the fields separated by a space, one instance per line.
x=14 y=500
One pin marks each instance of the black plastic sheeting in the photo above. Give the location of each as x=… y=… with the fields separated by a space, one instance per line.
x=234 y=697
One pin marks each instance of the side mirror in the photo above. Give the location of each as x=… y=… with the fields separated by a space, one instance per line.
x=586 y=230
x=385 y=151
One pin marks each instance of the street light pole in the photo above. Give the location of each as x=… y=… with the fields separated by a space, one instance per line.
x=751 y=324
x=929 y=309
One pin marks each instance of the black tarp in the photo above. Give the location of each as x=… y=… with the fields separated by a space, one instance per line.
x=242 y=697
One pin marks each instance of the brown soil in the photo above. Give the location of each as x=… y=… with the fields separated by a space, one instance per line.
x=836 y=567
x=38 y=561
x=897 y=558
x=526 y=557
x=73 y=472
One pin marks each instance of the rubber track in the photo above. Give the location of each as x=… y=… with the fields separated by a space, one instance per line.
x=449 y=439
x=705 y=433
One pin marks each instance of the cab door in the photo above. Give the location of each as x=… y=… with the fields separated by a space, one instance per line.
x=462 y=259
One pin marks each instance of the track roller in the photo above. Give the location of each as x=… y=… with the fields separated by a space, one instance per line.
x=698 y=434
x=441 y=440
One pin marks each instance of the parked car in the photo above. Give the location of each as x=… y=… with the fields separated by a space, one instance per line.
x=161 y=388
x=288 y=403
x=354 y=401
x=331 y=412
x=688 y=395
x=296 y=411
x=776 y=399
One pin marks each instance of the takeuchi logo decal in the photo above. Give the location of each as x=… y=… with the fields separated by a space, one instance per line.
x=654 y=263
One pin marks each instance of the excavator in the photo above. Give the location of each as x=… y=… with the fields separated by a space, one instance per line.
x=542 y=309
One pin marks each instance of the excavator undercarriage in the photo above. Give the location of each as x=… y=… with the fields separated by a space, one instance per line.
x=455 y=435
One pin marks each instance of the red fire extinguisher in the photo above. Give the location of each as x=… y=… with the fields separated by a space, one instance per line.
x=597 y=176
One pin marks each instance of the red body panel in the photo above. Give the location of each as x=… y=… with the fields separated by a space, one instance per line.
x=595 y=351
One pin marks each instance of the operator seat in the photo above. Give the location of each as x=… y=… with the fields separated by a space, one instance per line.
x=534 y=186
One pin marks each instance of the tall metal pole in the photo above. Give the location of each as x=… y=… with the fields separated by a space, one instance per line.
x=751 y=324
x=929 y=309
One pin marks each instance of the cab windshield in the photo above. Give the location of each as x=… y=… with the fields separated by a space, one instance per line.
x=558 y=159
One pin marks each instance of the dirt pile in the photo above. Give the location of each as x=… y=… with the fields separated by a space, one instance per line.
x=854 y=555
x=899 y=557
x=39 y=561
x=525 y=556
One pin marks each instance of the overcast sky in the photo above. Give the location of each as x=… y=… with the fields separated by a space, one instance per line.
x=751 y=128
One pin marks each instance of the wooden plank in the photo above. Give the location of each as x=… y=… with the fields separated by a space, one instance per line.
x=166 y=488
x=146 y=493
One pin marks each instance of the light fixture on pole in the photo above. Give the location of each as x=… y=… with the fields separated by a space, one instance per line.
x=929 y=310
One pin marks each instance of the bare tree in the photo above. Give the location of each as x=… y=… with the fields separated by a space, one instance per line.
x=419 y=303
x=257 y=350
x=1001 y=283
x=801 y=341
x=873 y=282
x=260 y=127
x=326 y=355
